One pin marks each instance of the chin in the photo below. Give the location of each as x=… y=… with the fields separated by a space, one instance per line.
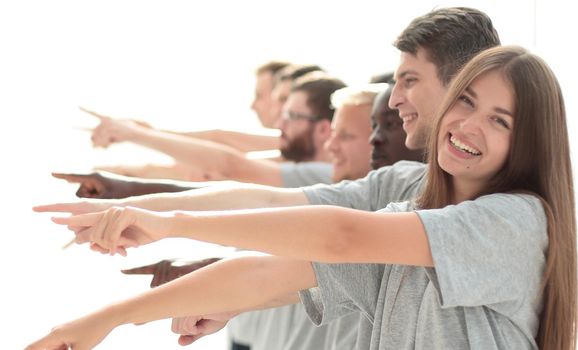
x=376 y=164
x=339 y=177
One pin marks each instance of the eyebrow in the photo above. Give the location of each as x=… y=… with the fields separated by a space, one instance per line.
x=497 y=109
x=404 y=73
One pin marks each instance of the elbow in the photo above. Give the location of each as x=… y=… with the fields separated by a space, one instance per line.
x=230 y=165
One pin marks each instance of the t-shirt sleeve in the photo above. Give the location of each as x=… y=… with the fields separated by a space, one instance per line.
x=487 y=251
x=343 y=289
x=305 y=174
x=398 y=182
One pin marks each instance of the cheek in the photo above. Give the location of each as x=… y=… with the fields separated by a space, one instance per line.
x=292 y=129
x=502 y=150
x=395 y=138
x=362 y=147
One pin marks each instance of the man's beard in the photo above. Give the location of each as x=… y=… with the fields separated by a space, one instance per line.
x=301 y=148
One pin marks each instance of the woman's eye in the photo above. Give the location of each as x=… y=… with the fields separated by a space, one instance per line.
x=465 y=99
x=502 y=122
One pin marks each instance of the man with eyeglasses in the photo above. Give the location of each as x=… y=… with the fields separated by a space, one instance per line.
x=305 y=126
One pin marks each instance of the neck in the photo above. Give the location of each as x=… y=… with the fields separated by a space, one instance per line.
x=321 y=155
x=464 y=190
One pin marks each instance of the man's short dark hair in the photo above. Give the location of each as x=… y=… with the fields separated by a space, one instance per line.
x=451 y=37
x=293 y=71
x=271 y=67
x=318 y=86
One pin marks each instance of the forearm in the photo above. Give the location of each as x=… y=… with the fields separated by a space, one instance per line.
x=241 y=141
x=225 y=195
x=143 y=188
x=176 y=172
x=230 y=285
x=314 y=233
x=311 y=233
x=199 y=154
x=140 y=186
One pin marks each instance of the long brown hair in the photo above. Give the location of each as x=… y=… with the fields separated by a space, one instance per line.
x=538 y=163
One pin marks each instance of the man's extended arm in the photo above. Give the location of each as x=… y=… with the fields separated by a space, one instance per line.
x=216 y=160
x=241 y=141
x=227 y=196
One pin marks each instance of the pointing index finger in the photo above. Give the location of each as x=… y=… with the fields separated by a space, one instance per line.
x=141 y=270
x=93 y=113
x=70 y=177
x=80 y=220
x=56 y=208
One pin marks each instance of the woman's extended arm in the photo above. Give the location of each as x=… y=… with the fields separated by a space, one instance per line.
x=229 y=285
x=315 y=233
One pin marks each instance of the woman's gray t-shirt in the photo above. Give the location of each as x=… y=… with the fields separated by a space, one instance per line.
x=484 y=292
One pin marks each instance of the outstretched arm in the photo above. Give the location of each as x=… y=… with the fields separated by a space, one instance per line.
x=315 y=233
x=111 y=186
x=227 y=195
x=244 y=142
x=236 y=284
x=176 y=171
x=169 y=269
x=216 y=160
x=241 y=141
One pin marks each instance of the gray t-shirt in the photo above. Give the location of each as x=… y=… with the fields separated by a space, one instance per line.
x=395 y=183
x=483 y=293
x=288 y=327
x=305 y=173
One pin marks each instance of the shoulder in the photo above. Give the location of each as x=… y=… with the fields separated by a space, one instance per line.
x=510 y=204
x=503 y=215
x=305 y=173
x=398 y=207
x=402 y=170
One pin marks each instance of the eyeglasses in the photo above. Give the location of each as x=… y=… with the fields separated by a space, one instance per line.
x=289 y=115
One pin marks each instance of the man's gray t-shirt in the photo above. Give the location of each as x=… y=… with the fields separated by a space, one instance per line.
x=288 y=327
x=380 y=187
x=483 y=293
x=305 y=173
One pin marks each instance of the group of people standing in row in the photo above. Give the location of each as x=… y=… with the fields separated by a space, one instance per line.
x=433 y=210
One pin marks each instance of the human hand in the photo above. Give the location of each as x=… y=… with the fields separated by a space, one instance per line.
x=82 y=334
x=192 y=328
x=167 y=270
x=99 y=185
x=113 y=230
x=98 y=115
x=111 y=130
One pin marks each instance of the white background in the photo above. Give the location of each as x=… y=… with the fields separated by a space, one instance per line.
x=182 y=65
